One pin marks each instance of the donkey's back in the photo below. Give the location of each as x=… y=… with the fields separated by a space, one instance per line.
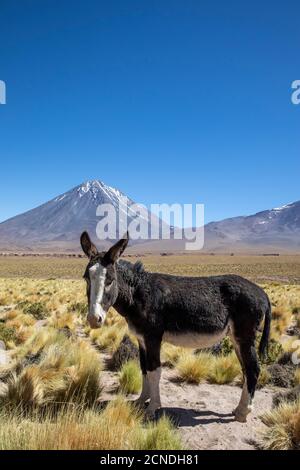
x=207 y=304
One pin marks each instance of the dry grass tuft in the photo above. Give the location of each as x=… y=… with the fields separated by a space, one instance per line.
x=66 y=371
x=171 y=354
x=63 y=320
x=283 y=424
x=119 y=426
x=224 y=369
x=297 y=376
x=264 y=377
x=7 y=334
x=194 y=368
x=159 y=436
x=130 y=378
x=107 y=337
x=41 y=339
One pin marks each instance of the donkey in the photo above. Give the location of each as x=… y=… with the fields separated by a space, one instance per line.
x=194 y=312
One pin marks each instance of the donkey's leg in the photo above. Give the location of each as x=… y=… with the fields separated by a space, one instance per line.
x=153 y=367
x=244 y=390
x=251 y=373
x=145 y=394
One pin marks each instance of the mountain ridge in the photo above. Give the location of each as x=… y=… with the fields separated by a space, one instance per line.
x=56 y=225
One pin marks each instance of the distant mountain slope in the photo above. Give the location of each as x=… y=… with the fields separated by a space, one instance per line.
x=57 y=225
x=269 y=231
x=278 y=228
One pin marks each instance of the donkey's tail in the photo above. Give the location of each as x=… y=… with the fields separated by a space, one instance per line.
x=264 y=342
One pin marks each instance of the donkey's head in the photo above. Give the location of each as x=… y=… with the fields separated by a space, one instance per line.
x=101 y=278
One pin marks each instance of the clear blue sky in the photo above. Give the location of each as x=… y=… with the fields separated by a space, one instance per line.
x=169 y=101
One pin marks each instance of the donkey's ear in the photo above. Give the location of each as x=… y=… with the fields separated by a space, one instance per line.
x=87 y=245
x=116 y=250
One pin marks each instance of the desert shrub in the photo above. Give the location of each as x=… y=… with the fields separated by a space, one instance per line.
x=227 y=346
x=283 y=423
x=223 y=348
x=37 y=309
x=22 y=304
x=130 y=378
x=7 y=334
x=224 y=369
x=194 y=368
x=281 y=376
x=282 y=372
x=125 y=351
x=275 y=350
x=288 y=396
x=285 y=358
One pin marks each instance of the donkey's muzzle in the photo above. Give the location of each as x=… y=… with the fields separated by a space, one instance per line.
x=94 y=321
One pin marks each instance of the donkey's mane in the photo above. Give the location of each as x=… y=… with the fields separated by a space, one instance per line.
x=132 y=274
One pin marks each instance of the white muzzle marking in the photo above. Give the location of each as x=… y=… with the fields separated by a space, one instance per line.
x=96 y=314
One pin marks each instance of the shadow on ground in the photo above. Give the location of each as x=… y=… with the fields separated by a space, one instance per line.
x=190 y=417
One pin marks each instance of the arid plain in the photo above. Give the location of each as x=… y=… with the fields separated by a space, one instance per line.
x=62 y=383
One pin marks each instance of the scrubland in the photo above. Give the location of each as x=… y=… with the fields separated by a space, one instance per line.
x=51 y=385
x=284 y=268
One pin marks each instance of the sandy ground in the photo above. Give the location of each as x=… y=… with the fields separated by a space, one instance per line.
x=202 y=412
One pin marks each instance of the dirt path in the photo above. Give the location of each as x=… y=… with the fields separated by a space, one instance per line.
x=202 y=412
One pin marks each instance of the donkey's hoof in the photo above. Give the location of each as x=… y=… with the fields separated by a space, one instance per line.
x=241 y=415
x=241 y=418
x=150 y=414
x=140 y=403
